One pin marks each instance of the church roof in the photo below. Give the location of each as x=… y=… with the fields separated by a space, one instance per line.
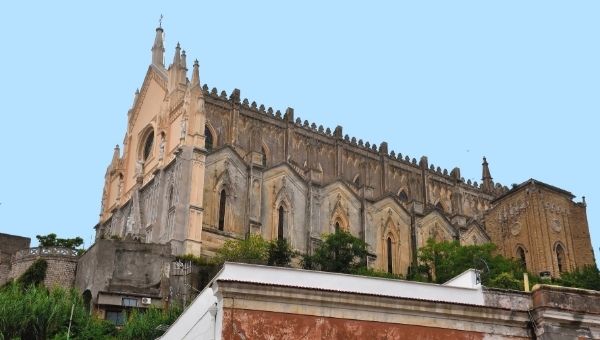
x=532 y=181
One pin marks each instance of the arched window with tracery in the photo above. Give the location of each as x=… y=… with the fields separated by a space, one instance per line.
x=560 y=258
x=222 y=207
x=521 y=257
x=208 y=138
x=390 y=257
x=148 y=144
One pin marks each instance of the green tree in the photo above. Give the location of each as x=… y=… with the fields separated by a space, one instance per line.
x=506 y=281
x=587 y=277
x=339 y=252
x=279 y=253
x=441 y=261
x=253 y=249
x=51 y=240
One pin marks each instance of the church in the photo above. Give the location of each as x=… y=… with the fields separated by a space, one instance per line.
x=199 y=167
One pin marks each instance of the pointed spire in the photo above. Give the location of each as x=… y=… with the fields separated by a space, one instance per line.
x=177 y=56
x=486 y=177
x=158 y=49
x=116 y=154
x=183 y=60
x=196 y=74
x=135 y=96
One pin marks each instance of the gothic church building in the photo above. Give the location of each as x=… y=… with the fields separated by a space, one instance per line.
x=199 y=167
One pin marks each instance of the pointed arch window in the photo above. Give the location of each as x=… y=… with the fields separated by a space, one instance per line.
x=148 y=144
x=403 y=197
x=390 y=257
x=264 y=156
x=208 y=138
x=280 y=222
x=337 y=227
x=222 y=207
x=560 y=258
x=440 y=206
x=357 y=180
x=521 y=257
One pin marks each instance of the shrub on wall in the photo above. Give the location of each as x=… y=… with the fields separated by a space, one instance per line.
x=35 y=274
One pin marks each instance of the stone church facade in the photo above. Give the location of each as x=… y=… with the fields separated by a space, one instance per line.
x=199 y=167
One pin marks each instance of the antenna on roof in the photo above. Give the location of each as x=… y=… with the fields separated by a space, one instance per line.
x=160 y=21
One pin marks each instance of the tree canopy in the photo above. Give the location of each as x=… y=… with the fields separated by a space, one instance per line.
x=441 y=261
x=339 y=252
x=51 y=240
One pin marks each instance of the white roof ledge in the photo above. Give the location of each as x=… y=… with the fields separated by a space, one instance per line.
x=464 y=288
x=470 y=278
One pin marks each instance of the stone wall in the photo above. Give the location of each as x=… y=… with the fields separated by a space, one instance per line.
x=126 y=267
x=9 y=245
x=62 y=264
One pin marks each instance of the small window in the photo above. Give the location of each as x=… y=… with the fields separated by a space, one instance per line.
x=337 y=227
x=403 y=197
x=116 y=317
x=208 y=139
x=130 y=302
x=148 y=144
x=222 y=206
x=280 y=224
x=440 y=206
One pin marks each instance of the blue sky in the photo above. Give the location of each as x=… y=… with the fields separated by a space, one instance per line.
x=516 y=81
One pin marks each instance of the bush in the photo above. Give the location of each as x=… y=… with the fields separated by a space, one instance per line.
x=34 y=312
x=35 y=274
x=253 y=249
x=145 y=324
x=340 y=252
x=506 y=281
x=587 y=277
x=279 y=253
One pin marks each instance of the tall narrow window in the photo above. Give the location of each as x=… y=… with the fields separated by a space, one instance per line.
x=280 y=223
x=222 y=204
x=521 y=256
x=560 y=258
x=208 y=139
x=264 y=157
x=337 y=227
x=390 y=267
x=148 y=144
